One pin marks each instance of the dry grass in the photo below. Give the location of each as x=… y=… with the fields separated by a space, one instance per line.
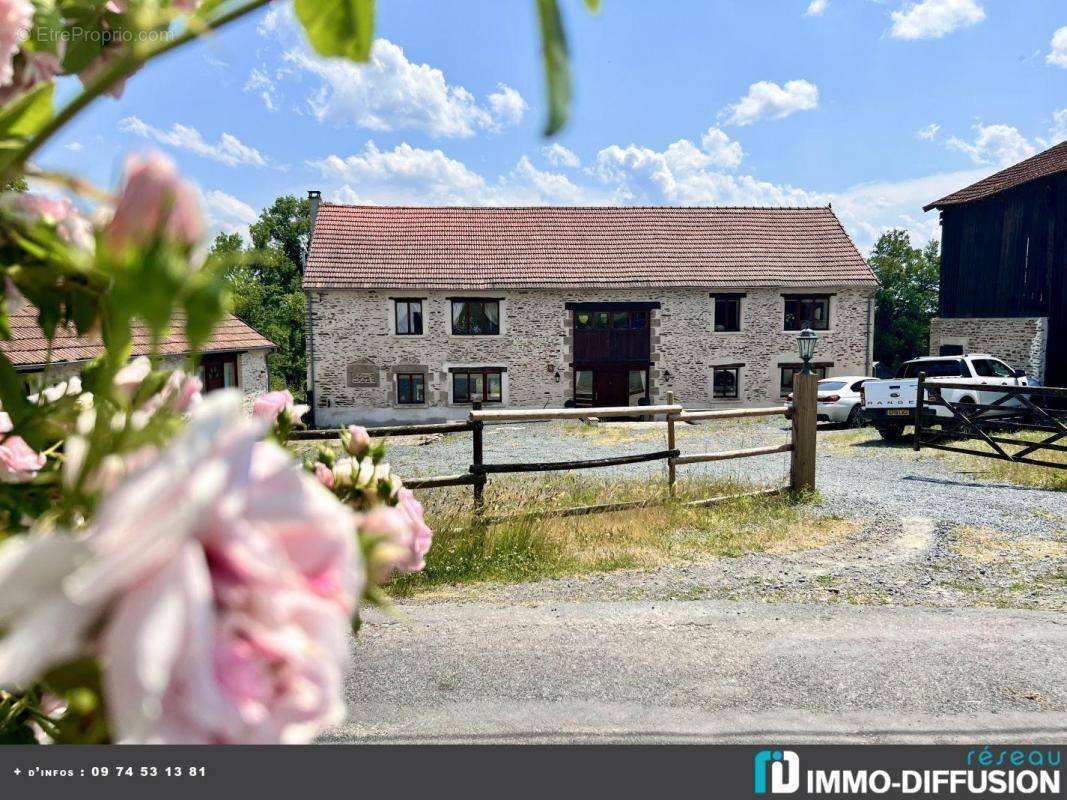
x=1021 y=474
x=987 y=545
x=467 y=550
x=855 y=442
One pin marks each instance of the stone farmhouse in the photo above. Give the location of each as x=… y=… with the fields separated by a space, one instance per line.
x=414 y=313
x=234 y=357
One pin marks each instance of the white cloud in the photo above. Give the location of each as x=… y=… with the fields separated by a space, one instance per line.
x=507 y=105
x=560 y=156
x=74 y=147
x=409 y=174
x=1001 y=145
x=1057 y=132
x=932 y=19
x=767 y=100
x=869 y=209
x=1058 y=54
x=404 y=174
x=391 y=93
x=929 y=132
x=259 y=81
x=227 y=150
x=816 y=7
x=226 y=213
x=682 y=173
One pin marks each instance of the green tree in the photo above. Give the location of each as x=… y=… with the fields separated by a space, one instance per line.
x=907 y=299
x=264 y=281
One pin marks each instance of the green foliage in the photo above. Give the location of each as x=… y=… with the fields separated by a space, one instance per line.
x=343 y=28
x=264 y=282
x=557 y=65
x=907 y=299
x=22 y=118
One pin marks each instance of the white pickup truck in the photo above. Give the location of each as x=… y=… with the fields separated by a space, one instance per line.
x=890 y=405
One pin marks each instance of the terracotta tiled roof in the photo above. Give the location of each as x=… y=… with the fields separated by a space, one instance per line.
x=28 y=347
x=1042 y=165
x=485 y=248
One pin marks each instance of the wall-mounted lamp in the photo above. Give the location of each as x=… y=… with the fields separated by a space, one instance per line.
x=806 y=345
x=666 y=376
x=557 y=377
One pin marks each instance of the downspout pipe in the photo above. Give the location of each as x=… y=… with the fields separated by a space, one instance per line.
x=314 y=198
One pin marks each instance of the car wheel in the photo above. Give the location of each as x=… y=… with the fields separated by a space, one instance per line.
x=955 y=426
x=891 y=433
x=855 y=418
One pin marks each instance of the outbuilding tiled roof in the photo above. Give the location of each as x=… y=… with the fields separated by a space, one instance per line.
x=364 y=247
x=28 y=347
x=1042 y=165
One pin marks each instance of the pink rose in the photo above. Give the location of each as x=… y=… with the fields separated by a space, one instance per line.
x=182 y=392
x=324 y=475
x=273 y=405
x=18 y=461
x=422 y=536
x=70 y=225
x=129 y=379
x=390 y=532
x=223 y=580
x=16 y=19
x=358 y=441
x=154 y=203
x=31 y=68
x=270 y=405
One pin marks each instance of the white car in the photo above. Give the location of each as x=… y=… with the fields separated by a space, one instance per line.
x=890 y=405
x=839 y=400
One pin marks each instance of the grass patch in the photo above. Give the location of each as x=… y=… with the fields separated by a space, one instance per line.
x=467 y=550
x=1020 y=474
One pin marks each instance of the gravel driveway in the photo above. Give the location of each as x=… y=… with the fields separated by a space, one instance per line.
x=707 y=671
x=939 y=619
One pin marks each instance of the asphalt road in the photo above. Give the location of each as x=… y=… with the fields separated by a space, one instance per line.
x=717 y=671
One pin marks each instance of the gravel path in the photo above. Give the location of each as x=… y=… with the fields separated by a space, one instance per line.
x=872 y=637
x=925 y=535
x=865 y=478
x=707 y=671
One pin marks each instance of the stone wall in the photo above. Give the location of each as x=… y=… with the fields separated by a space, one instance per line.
x=251 y=372
x=252 y=375
x=356 y=353
x=1020 y=341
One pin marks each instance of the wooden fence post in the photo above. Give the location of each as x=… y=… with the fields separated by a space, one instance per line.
x=805 y=398
x=671 y=469
x=477 y=427
x=920 y=396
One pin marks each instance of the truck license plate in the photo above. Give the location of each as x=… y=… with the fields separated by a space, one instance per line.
x=898 y=412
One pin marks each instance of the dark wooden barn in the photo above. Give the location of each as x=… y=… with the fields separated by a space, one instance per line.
x=1004 y=264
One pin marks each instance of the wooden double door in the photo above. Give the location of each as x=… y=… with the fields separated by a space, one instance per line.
x=603 y=386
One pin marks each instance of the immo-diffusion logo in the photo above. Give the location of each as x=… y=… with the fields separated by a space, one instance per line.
x=783 y=767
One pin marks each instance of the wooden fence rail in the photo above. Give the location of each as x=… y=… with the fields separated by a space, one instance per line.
x=801 y=447
x=1016 y=409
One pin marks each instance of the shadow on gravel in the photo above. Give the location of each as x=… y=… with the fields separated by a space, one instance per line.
x=972 y=484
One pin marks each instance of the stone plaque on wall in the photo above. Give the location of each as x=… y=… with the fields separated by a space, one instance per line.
x=362 y=375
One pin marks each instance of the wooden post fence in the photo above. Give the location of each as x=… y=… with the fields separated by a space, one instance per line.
x=671 y=464
x=801 y=448
x=478 y=444
x=805 y=399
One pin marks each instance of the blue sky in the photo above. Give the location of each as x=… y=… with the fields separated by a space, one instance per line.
x=877 y=107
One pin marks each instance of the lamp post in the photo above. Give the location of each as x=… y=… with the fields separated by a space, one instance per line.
x=805 y=416
x=806 y=345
